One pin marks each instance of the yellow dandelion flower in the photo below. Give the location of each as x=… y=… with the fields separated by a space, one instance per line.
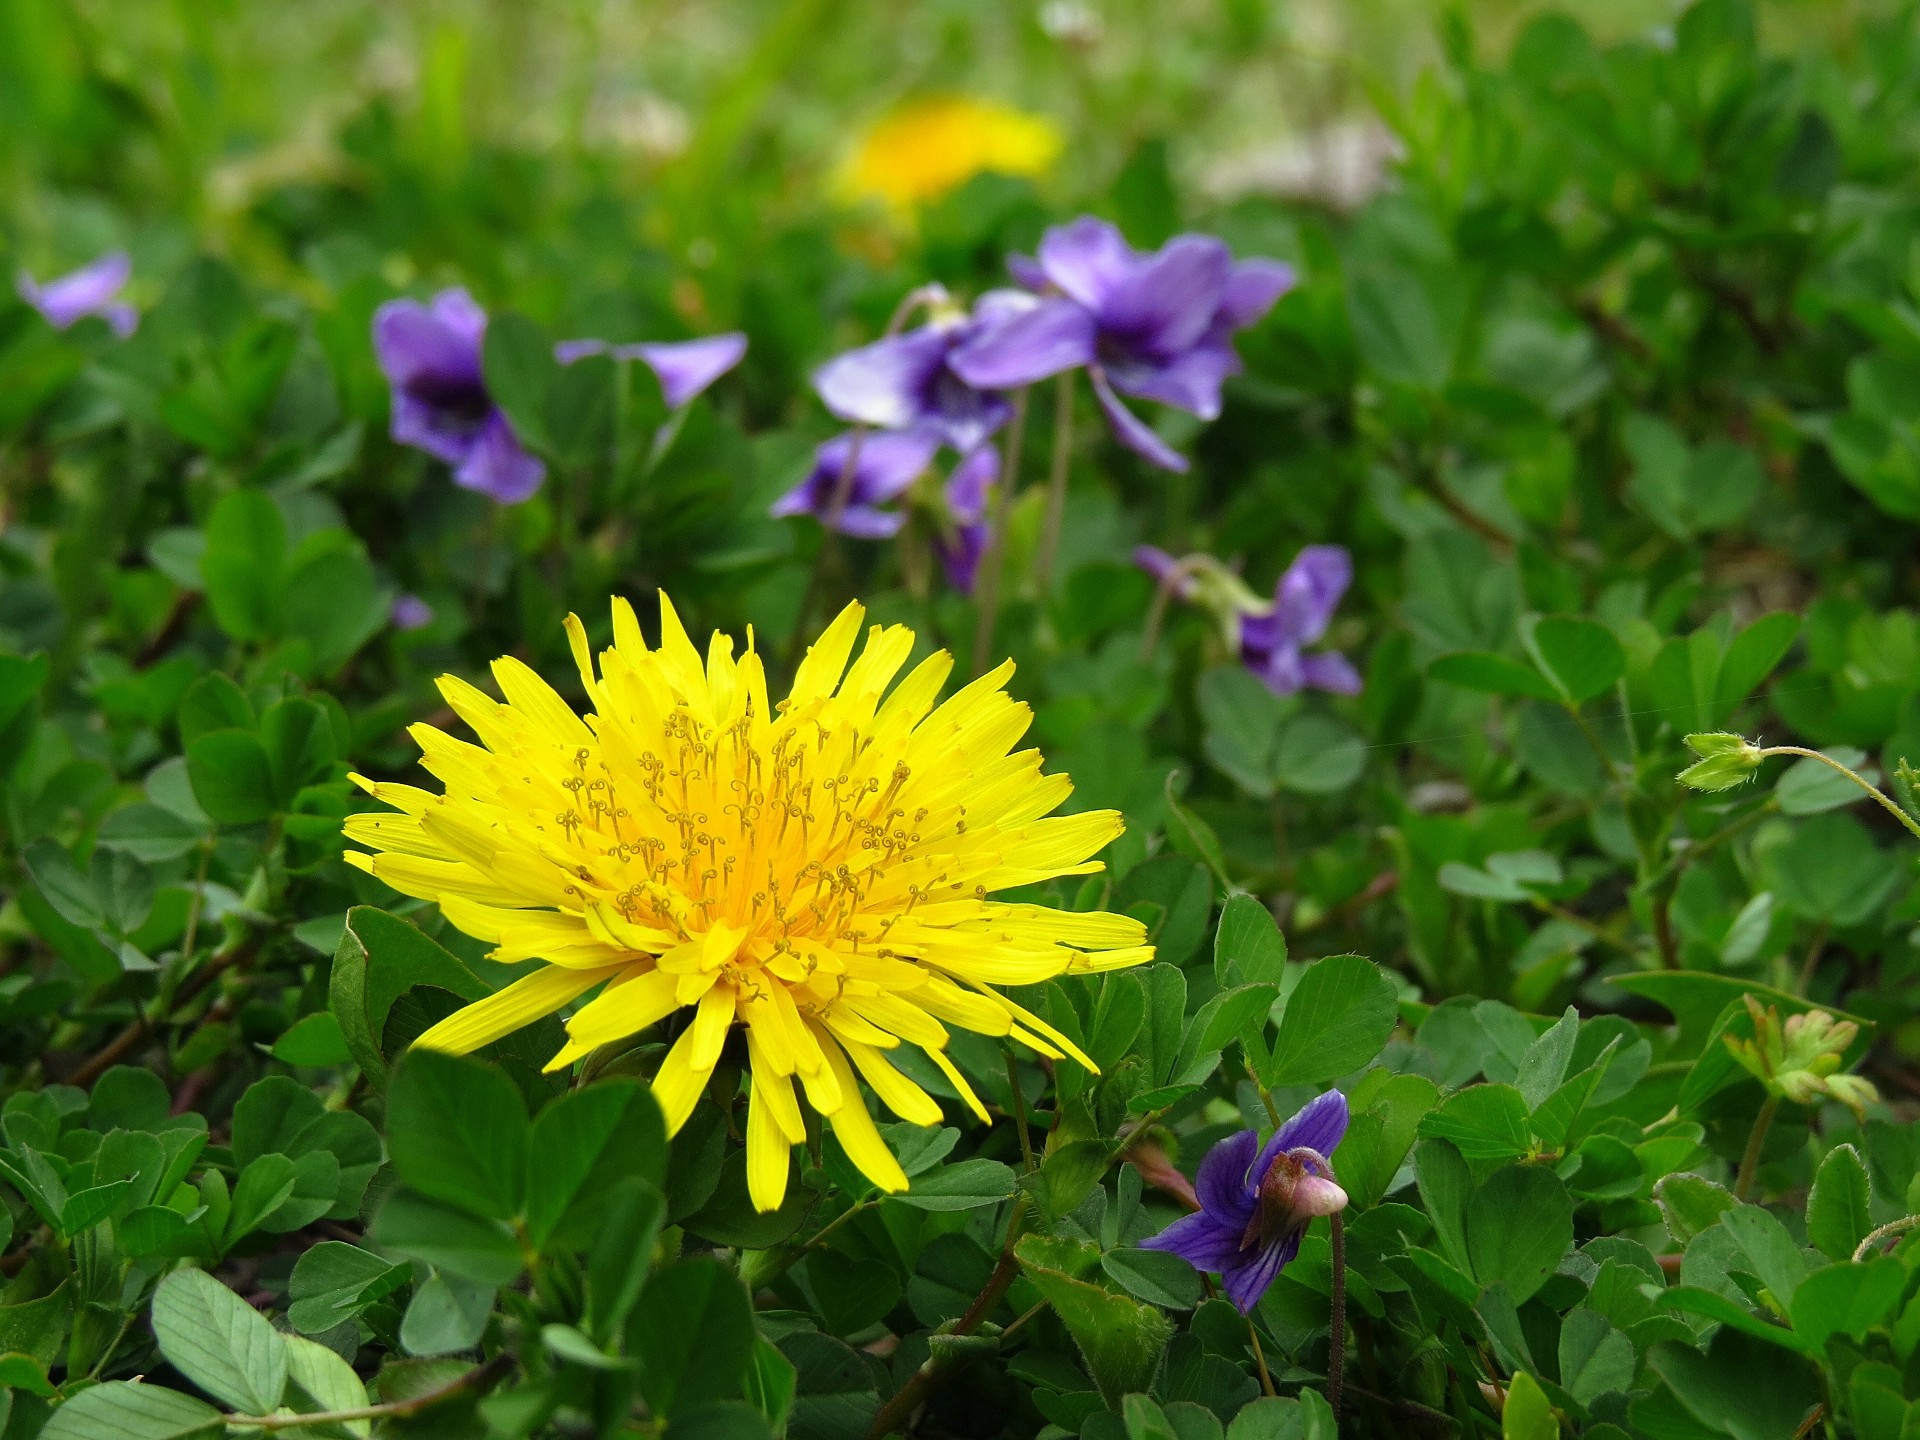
x=815 y=872
x=931 y=146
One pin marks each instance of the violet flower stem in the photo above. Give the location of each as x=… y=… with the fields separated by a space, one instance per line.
x=1157 y=610
x=1337 y=1333
x=1875 y=1237
x=1260 y=1358
x=1058 y=464
x=993 y=554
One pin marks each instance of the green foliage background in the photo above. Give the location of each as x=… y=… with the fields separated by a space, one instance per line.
x=1610 y=387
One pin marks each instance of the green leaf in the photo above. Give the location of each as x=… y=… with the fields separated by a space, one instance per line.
x=1528 y=1414
x=1519 y=1224
x=580 y=410
x=332 y=1281
x=692 y=1333
x=457 y=1131
x=835 y=1394
x=852 y=1294
x=1773 y=1255
x=582 y=1145
x=381 y=958
x=447 y=1313
x=1120 y=1339
x=1738 y=1387
x=1581 y=657
x=1712 y=1305
x=1337 y=1018
x=213 y=702
x=232 y=777
x=298 y=741
x=264 y=1186
x=1838 y=1214
x=1690 y=1204
x=1407 y=327
x=335 y=604
x=1751 y=658
x=313 y=1040
x=517 y=358
x=1317 y=755
x=1485 y=1122
x=123 y=1410
x=730 y=1218
x=321 y=1380
x=87 y=1208
x=1492 y=675
x=1810 y=787
x=1156 y=1276
x=244 y=564
x=1595 y=1358
x=1248 y=947
x=1381 y=1132
x=270 y=1117
x=69 y=891
x=965 y=1186
x=218 y=1341
x=456 y=1240
x=720 y=1420
x=1847 y=1299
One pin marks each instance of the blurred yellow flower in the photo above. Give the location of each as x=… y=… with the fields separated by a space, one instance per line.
x=928 y=147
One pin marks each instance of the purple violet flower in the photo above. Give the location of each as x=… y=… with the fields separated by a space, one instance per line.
x=431 y=356
x=1272 y=645
x=884 y=465
x=410 y=612
x=968 y=489
x=1254 y=1207
x=904 y=382
x=684 y=368
x=1156 y=326
x=87 y=291
x=1168 y=573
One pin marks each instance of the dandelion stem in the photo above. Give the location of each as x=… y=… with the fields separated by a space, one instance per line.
x=1058 y=464
x=992 y=557
x=1756 y=1142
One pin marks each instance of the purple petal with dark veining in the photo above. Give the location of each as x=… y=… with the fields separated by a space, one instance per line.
x=1052 y=336
x=1319 y=1125
x=418 y=350
x=1223 y=1183
x=1201 y=1240
x=1246 y=1281
x=1305 y=597
x=885 y=465
x=1278 y=667
x=1133 y=432
x=1086 y=260
x=498 y=467
x=444 y=432
x=685 y=368
x=1164 y=307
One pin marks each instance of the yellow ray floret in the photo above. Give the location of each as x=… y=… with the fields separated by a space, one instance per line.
x=816 y=873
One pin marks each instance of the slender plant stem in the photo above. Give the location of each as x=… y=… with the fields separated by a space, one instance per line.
x=1157 y=611
x=481 y=1375
x=1892 y=808
x=1259 y=1358
x=1019 y=1103
x=1756 y=1142
x=1815 y=950
x=988 y=593
x=483 y=561
x=1024 y=1316
x=1874 y=1237
x=910 y=1396
x=1058 y=464
x=1337 y=1331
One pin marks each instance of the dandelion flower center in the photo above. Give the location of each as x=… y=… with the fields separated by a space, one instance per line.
x=816 y=872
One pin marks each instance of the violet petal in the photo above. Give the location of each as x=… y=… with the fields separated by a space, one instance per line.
x=1201 y=1240
x=1330 y=671
x=1166 y=305
x=1054 y=335
x=1189 y=382
x=1248 y=1280
x=685 y=368
x=1133 y=432
x=1223 y=1182
x=885 y=383
x=415 y=347
x=86 y=291
x=1305 y=597
x=498 y=467
x=1319 y=1125
x=1252 y=289
x=1086 y=260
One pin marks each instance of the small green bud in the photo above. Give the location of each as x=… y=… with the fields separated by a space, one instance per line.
x=1799 y=1060
x=1726 y=760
